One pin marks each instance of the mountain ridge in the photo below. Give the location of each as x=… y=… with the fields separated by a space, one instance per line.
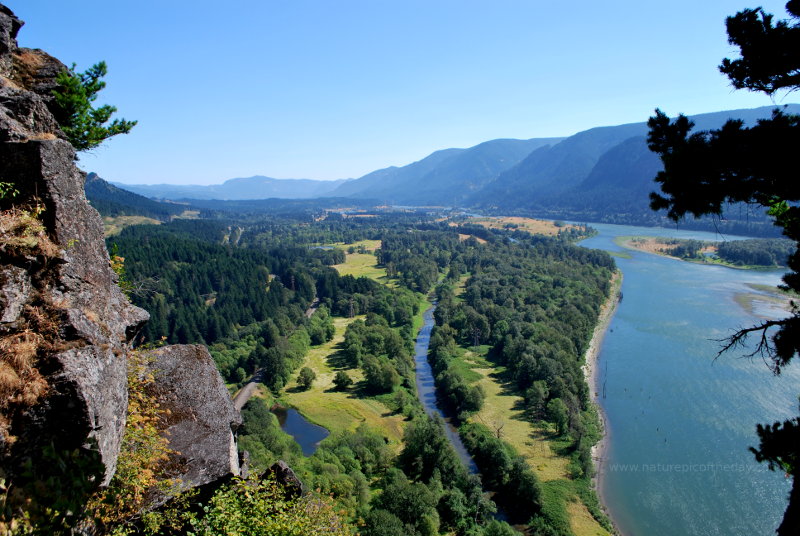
x=602 y=174
x=240 y=188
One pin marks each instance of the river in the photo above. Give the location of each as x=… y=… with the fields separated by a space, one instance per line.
x=679 y=422
x=426 y=389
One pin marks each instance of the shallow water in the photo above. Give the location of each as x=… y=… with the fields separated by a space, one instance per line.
x=679 y=421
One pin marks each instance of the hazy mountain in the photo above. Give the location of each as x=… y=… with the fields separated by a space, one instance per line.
x=257 y=187
x=601 y=174
x=109 y=200
x=445 y=177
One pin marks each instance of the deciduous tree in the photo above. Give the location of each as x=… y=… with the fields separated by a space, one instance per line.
x=306 y=378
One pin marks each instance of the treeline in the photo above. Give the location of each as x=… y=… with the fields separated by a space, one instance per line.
x=503 y=470
x=453 y=390
x=247 y=303
x=531 y=306
x=767 y=252
x=684 y=249
x=756 y=252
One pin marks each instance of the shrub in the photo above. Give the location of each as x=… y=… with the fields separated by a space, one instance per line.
x=342 y=381
x=306 y=378
x=262 y=508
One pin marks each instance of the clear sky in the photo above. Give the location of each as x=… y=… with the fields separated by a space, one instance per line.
x=330 y=89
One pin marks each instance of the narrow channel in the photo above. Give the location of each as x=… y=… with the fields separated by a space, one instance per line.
x=426 y=389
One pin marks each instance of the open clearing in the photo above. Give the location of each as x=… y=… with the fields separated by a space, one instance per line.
x=529 y=225
x=112 y=226
x=362 y=264
x=335 y=410
x=502 y=410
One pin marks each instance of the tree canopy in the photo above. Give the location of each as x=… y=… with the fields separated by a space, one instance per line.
x=703 y=170
x=85 y=126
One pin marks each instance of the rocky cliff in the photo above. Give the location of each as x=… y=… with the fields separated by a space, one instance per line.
x=65 y=326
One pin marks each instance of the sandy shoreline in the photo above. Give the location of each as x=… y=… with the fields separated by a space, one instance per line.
x=592 y=375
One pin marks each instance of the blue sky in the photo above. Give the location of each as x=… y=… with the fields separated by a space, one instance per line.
x=338 y=88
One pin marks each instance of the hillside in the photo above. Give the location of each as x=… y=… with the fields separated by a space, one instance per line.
x=256 y=187
x=109 y=200
x=603 y=175
x=445 y=177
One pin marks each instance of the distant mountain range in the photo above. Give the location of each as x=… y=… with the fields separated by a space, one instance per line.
x=446 y=177
x=599 y=175
x=257 y=187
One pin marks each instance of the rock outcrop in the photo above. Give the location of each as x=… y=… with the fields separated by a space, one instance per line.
x=200 y=415
x=65 y=326
x=64 y=295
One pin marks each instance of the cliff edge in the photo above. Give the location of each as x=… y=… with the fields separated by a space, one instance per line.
x=66 y=329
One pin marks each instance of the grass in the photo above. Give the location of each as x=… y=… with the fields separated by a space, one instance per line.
x=529 y=225
x=362 y=264
x=418 y=319
x=188 y=215
x=620 y=254
x=503 y=409
x=112 y=226
x=461 y=285
x=462 y=237
x=345 y=410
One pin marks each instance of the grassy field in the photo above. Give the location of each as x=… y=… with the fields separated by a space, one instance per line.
x=462 y=237
x=362 y=264
x=340 y=410
x=530 y=225
x=347 y=410
x=112 y=226
x=503 y=411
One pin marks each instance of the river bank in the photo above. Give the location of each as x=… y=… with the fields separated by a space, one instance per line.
x=670 y=405
x=707 y=253
x=592 y=375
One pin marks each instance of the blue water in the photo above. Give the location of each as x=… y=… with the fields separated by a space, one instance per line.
x=307 y=434
x=426 y=389
x=679 y=422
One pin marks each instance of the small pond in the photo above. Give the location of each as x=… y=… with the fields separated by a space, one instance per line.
x=308 y=435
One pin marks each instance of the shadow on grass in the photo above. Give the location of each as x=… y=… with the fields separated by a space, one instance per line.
x=337 y=360
x=297 y=389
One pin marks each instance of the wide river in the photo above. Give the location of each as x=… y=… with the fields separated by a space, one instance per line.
x=679 y=422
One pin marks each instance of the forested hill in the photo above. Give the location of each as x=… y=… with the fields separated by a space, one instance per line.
x=600 y=175
x=257 y=187
x=445 y=177
x=109 y=200
x=603 y=174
